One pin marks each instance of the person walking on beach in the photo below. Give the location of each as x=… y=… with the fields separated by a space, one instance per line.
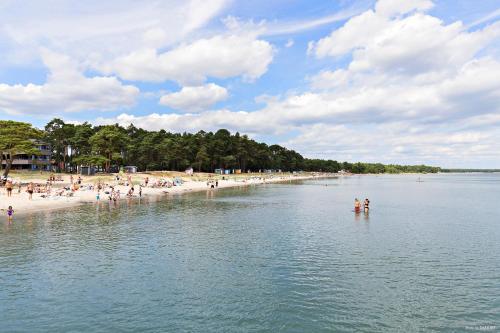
x=367 y=205
x=357 y=205
x=10 y=212
x=140 y=191
x=8 y=187
x=30 y=190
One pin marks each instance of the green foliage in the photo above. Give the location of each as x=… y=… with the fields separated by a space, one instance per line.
x=16 y=138
x=113 y=145
x=58 y=134
x=110 y=143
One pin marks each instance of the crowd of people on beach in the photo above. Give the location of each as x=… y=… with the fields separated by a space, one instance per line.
x=76 y=184
x=111 y=189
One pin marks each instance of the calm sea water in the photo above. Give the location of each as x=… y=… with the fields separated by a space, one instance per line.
x=275 y=258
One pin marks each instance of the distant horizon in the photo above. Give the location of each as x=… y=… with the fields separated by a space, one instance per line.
x=377 y=81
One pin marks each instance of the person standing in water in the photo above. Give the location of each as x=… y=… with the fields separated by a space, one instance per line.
x=10 y=212
x=367 y=205
x=357 y=205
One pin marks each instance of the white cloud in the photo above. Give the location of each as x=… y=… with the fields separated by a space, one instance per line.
x=101 y=29
x=194 y=99
x=221 y=56
x=290 y=27
x=415 y=91
x=330 y=79
x=248 y=122
x=400 y=85
x=486 y=18
x=289 y=43
x=395 y=143
x=411 y=44
x=66 y=89
x=398 y=7
x=472 y=91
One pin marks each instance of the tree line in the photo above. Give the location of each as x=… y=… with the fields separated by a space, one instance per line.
x=108 y=146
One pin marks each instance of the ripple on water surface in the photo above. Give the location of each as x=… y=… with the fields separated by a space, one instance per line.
x=277 y=258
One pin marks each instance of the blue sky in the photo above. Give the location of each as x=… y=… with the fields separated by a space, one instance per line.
x=391 y=81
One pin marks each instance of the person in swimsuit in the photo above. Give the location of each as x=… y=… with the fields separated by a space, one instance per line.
x=8 y=187
x=367 y=205
x=131 y=192
x=357 y=205
x=10 y=212
x=30 y=190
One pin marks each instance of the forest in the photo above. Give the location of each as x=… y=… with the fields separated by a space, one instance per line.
x=109 y=146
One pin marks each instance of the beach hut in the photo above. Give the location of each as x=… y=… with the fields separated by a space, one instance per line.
x=130 y=169
x=86 y=170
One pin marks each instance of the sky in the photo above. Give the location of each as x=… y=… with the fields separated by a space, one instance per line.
x=391 y=81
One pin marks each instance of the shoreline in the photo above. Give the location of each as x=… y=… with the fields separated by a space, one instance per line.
x=88 y=195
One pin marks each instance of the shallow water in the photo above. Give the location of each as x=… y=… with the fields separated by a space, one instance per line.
x=276 y=258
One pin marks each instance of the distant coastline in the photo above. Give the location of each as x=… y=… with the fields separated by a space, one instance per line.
x=470 y=170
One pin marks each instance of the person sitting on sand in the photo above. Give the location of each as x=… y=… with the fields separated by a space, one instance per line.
x=8 y=187
x=367 y=205
x=357 y=205
x=10 y=212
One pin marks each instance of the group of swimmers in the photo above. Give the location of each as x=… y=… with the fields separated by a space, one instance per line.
x=357 y=205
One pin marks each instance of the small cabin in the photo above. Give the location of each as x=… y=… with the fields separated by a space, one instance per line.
x=130 y=169
x=86 y=170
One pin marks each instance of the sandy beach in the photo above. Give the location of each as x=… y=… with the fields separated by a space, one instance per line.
x=61 y=193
